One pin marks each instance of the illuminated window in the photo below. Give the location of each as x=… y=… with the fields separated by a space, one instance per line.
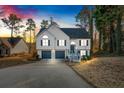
x=72 y=43
x=61 y=42
x=83 y=52
x=45 y=42
x=83 y=42
x=45 y=36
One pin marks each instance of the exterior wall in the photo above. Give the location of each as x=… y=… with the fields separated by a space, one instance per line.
x=20 y=48
x=81 y=47
x=40 y=37
x=59 y=35
x=54 y=34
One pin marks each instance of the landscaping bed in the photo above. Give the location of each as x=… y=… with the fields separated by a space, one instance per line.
x=12 y=61
x=104 y=72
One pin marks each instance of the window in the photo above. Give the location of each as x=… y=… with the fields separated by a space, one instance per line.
x=45 y=42
x=61 y=42
x=45 y=36
x=72 y=43
x=83 y=42
x=83 y=52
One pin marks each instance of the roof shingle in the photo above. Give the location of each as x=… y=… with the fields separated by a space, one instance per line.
x=76 y=32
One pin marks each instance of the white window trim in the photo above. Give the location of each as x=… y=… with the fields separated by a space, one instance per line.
x=82 y=52
x=45 y=42
x=83 y=42
x=61 y=42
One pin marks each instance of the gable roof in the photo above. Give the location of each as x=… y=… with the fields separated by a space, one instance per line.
x=76 y=33
x=41 y=30
x=5 y=42
x=14 y=41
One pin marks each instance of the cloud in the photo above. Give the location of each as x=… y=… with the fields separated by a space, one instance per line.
x=9 y=9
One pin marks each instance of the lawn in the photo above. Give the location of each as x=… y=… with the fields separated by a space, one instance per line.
x=104 y=72
x=14 y=60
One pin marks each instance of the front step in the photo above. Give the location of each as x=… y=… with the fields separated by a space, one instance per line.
x=74 y=58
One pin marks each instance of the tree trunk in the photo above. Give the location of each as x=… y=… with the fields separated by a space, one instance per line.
x=91 y=33
x=34 y=48
x=24 y=36
x=118 y=35
x=12 y=32
x=100 y=39
x=34 y=37
x=111 y=39
x=30 y=43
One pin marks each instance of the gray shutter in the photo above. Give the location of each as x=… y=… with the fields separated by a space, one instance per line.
x=79 y=42
x=48 y=42
x=87 y=42
x=57 y=42
x=41 y=43
x=65 y=42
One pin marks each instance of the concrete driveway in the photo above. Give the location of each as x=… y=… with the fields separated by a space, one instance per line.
x=41 y=75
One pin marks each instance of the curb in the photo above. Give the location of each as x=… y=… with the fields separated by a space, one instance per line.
x=94 y=86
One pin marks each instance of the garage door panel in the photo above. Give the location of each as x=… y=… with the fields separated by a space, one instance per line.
x=60 y=54
x=46 y=54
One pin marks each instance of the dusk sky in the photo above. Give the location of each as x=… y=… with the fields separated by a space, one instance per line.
x=64 y=15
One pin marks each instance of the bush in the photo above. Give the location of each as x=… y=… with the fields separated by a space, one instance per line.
x=85 y=57
x=88 y=57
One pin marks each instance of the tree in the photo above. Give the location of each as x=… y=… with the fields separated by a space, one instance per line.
x=100 y=25
x=44 y=24
x=30 y=27
x=108 y=22
x=120 y=13
x=85 y=18
x=13 y=23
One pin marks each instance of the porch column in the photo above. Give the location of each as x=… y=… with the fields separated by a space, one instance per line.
x=53 y=54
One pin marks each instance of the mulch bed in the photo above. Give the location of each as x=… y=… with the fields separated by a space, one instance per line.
x=104 y=72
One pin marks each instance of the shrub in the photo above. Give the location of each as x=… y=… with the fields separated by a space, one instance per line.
x=85 y=57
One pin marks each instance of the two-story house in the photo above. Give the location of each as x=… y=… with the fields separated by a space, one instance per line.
x=59 y=43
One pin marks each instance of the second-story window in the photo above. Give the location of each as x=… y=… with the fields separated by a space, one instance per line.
x=45 y=42
x=83 y=42
x=61 y=42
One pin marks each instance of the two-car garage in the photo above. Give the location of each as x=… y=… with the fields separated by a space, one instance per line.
x=48 y=54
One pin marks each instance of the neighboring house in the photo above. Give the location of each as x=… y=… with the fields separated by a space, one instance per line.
x=18 y=45
x=60 y=43
x=5 y=47
x=9 y=46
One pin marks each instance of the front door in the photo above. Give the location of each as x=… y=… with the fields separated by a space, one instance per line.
x=72 y=48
